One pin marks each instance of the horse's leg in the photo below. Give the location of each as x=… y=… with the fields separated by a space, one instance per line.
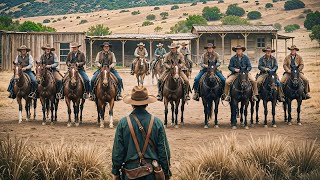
x=81 y=108
x=138 y=79
x=101 y=107
x=216 y=109
x=182 y=111
x=76 y=105
x=252 y=112
x=172 y=112
x=165 y=101
x=299 y=102
x=69 y=111
x=27 y=108
x=234 y=107
x=20 y=109
x=205 y=109
x=289 y=112
x=274 y=102
x=241 y=112
x=265 y=105
x=44 y=104
x=34 y=109
x=257 y=111
x=56 y=109
x=47 y=107
x=176 y=113
x=52 y=109
x=285 y=110
x=96 y=101
x=246 y=104
x=111 y=104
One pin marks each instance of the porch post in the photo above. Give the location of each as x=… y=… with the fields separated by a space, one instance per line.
x=198 y=50
x=123 y=43
x=285 y=48
x=91 y=42
x=245 y=35
x=222 y=38
x=277 y=45
x=150 y=51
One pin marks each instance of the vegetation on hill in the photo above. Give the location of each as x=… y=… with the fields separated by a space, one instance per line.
x=293 y=4
x=234 y=20
x=98 y=30
x=254 y=15
x=6 y=23
x=211 y=13
x=291 y=27
x=312 y=19
x=235 y=10
x=315 y=33
x=186 y=25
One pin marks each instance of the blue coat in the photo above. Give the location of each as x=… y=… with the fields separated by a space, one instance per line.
x=236 y=64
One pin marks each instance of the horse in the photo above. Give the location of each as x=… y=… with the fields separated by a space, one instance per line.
x=157 y=68
x=74 y=90
x=268 y=92
x=47 y=92
x=22 y=89
x=241 y=91
x=293 y=89
x=141 y=70
x=173 y=92
x=188 y=70
x=210 y=90
x=105 y=92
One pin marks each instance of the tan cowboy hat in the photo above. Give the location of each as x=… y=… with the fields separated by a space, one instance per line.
x=183 y=44
x=293 y=47
x=23 y=47
x=238 y=47
x=160 y=45
x=209 y=45
x=140 y=44
x=139 y=96
x=268 y=48
x=173 y=45
x=75 y=44
x=48 y=46
x=106 y=44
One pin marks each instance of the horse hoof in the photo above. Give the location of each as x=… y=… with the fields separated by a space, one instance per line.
x=20 y=121
x=101 y=125
x=289 y=123
x=43 y=123
x=234 y=127
x=275 y=126
x=27 y=119
x=111 y=126
x=52 y=123
x=257 y=123
x=172 y=124
x=216 y=126
x=182 y=123
x=206 y=126
x=299 y=124
x=77 y=124
x=265 y=126
x=246 y=127
x=69 y=125
x=252 y=125
x=176 y=126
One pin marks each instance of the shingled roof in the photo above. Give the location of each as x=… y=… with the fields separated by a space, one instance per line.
x=233 y=29
x=120 y=36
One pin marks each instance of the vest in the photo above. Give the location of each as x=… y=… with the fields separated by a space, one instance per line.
x=47 y=61
x=184 y=51
x=141 y=52
x=209 y=57
x=293 y=63
x=24 y=61
x=105 y=59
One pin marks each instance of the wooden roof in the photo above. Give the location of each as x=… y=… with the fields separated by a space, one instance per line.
x=233 y=29
x=181 y=36
x=14 y=32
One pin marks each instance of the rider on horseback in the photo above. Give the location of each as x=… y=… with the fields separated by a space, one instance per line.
x=293 y=59
x=107 y=57
x=206 y=58
x=173 y=58
x=77 y=57
x=237 y=62
x=140 y=52
x=50 y=59
x=159 y=54
x=184 y=50
x=268 y=65
x=26 y=61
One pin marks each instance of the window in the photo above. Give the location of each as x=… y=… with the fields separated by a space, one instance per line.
x=64 y=50
x=210 y=41
x=261 y=42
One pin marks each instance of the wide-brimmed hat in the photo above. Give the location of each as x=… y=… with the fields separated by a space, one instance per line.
x=209 y=45
x=183 y=44
x=48 y=46
x=75 y=44
x=238 y=47
x=173 y=45
x=268 y=48
x=23 y=47
x=106 y=44
x=139 y=96
x=141 y=44
x=293 y=47
x=160 y=44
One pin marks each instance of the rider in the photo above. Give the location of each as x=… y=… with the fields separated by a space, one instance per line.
x=206 y=58
x=173 y=57
x=293 y=59
x=159 y=53
x=50 y=59
x=236 y=62
x=184 y=50
x=107 y=57
x=78 y=57
x=26 y=61
x=268 y=64
x=140 y=52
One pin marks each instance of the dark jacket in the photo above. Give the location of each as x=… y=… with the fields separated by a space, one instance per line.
x=271 y=63
x=235 y=63
x=76 y=58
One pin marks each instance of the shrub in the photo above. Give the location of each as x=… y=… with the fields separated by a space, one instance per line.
x=234 y=9
x=301 y=16
x=78 y=17
x=54 y=21
x=257 y=3
x=254 y=15
x=174 y=7
x=274 y=1
x=46 y=21
x=220 y=1
x=291 y=27
x=194 y=4
x=151 y=17
x=315 y=33
x=234 y=20
x=135 y=12
x=59 y=19
x=98 y=30
x=147 y=23
x=124 y=10
x=83 y=21
x=278 y=26
x=162 y=22
x=307 y=11
x=204 y=2
x=312 y=19
x=185 y=14
x=269 y=5
x=164 y=15
x=158 y=29
x=186 y=25
x=211 y=14
x=293 y=4
x=156 y=8
x=64 y=17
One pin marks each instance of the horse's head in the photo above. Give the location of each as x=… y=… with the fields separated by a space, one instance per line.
x=175 y=71
x=212 y=69
x=295 y=75
x=272 y=81
x=40 y=71
x=17 y=71
x=244 y=77
x=73 y=71
x=141 y=62
x=105 y=75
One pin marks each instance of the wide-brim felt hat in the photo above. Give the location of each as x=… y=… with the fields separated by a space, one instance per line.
x=23 y=47
x=48 y=46
x=141 y=44
x=293 y=47
x=209 y=45
x=173 y=45
x=183 y=44
x=139 y=96
x=268 y=48
x=160 y=45
x=106 y=44
x=238 y=47
x=75 y=44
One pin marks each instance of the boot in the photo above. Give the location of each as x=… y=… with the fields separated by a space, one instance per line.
x=12 y=95
x=307 y=96
x=86 y=95
x=59 y=95
x=33 y=94
x=254 y=98
x=187 y=97
x=132 y=72
x=93 y=96
x=118 y=96
x=281 y=96
x=196 y=96
x=159 y=96
x=227 y=98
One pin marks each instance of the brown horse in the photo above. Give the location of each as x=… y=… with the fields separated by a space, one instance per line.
x=187 y=71
x=140 y=70
x=157 y=68
x=105 y=92
x=47 y=92
x=22 y=89
x=73 y=90
x=173 y=92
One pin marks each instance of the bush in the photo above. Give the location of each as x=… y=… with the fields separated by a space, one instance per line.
x=147 y=23
x=204 y=2
x=156 y=8
x=274 y=1
x=254 y=15
x=29 y=26
x=135 y=12
x=269 y=5
x=64 y=17
x=174 y=7
x=78 y=17
x=315 y=33
x=98 y=30
x=301 y=16
x=194 y=4
x=312 y=19
x=46 y=21
x=162 y=22
x=235 y=10
x=291 y=27
x=257 y=3
x=220 y=1
x=124 y=10
x=83 y=21
x=234 y=20
x=293 y=4
x=307 y=11
x=164 y=15
x=54 y=21
x=185 y=14
x=211 y=14
x=151 y=17
x=186 y=25
x=278 y=26
x=158 y=29
x=59 y=19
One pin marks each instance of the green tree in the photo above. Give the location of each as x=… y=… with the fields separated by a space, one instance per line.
x=293 y=4
x=46 y=21
x=278 y=26
x=315 y=33
x=151 y=17
x=254 y=15
x=158 y=29
x=98 y=30
x=291 y=27
x=194 y=3
x=235 y=10
x=83 y=21
x=164 y=15
x=234 y=20
x=186 y=25
x=312 y=19
x=135 y=12
x=147 y=23
x=156 y=8
x=6 y=23
x=269 y=5
x=211 y=14
x=29 y=26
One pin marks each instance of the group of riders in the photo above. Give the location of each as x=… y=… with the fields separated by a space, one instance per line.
x=267 y=64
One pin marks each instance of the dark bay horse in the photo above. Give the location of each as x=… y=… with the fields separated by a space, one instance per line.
x=105 y=92
x=140 y=70
x=241 y=91
x=211 y=90
x=157 y=68
x=293 y=89
x=47 y=92
x=73 y=90
x=268 y=92
x=173 y=92
x=22 y=89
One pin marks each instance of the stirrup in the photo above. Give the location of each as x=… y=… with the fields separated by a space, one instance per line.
x=59 y=95
x=32 y=95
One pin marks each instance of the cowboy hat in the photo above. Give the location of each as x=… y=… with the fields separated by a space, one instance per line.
x=209 y=45
x=139 y=96
x=75 y=44
x=268 y=48
x=23 y=47
x=173 y=45
x=293 y=47
x=183 y=44
x=238 y=47
x=106 y=44
x=160 y=44
x=48 y=46
x=140 y=44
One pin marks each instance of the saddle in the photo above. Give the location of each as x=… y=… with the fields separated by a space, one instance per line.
x=28 y=77
x=66 y=77
x=204 y=76
x=155 y=63
x=114 y=80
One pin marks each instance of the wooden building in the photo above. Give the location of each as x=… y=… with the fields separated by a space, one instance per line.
x=10 y=41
